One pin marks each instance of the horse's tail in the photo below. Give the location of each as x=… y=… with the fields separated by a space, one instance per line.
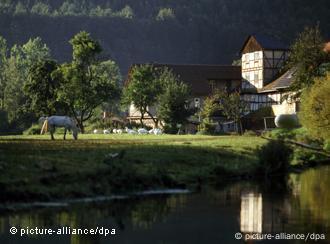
x=44 y=128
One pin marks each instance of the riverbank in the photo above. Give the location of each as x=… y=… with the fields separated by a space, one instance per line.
x=34 y=168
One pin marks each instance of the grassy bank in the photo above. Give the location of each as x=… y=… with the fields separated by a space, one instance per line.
x=34 y=167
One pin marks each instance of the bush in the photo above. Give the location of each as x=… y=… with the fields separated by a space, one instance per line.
x=302 y=156
x=282 y=134
x=274 y=157
x=326 y=146
x=315 y=108
x=33 y=130
x=207 y=127
x=299 y=135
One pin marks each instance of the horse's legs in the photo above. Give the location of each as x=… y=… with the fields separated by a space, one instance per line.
x=64 y=133
x=52 y=130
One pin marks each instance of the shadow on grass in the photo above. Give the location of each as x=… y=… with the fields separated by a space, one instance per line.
x=44 y=170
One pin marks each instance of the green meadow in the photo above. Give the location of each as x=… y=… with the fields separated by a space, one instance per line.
x=34 y=167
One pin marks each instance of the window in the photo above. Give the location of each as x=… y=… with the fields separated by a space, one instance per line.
x=256 y=55
x=251 y=56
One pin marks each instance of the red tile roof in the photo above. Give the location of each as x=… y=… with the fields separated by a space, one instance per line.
x=198 y=76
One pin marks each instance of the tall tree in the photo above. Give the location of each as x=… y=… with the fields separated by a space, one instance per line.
x=86 y=83
x=41 y=88
x=306 y=56
x=315 y=108
x=142 y=90
x=172 y=105
x=21 y=60
x=234 y=108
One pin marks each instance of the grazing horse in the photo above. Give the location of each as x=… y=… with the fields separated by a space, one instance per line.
x=50 y=123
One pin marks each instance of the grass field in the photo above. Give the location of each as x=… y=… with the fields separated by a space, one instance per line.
x=34 y=167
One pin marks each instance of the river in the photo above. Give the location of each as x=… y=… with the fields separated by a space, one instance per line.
x=297 y=204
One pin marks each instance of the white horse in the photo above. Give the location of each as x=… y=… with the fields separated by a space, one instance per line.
x=50 y=123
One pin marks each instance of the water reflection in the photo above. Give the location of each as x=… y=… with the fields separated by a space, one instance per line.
x=251 y=213
x=299 y=206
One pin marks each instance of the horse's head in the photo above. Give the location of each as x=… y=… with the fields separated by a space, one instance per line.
x=74 y=128
x=42 y=119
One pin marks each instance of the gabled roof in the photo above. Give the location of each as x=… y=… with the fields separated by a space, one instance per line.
x=199 y=75
x=282 y=82
x=266 y=42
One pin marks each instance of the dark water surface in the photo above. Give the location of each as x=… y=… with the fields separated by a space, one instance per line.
x=299 y=204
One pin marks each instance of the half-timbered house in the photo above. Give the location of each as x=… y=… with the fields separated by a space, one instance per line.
x=263 y=85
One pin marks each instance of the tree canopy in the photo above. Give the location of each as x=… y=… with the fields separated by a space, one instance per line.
x=86 y=82
x=32 y=84
x=306 y=56
x=41 y=88
x=142 y=90
x=315 y=108
x=173 y=101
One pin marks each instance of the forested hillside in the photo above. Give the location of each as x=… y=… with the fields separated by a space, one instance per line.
x=174 y=31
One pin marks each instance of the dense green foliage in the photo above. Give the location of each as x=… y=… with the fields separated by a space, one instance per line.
x=32 y=84
x=41 y=88
x=173 y=106
x=18 y=63
x=210 y=107
x=275 y=157
x=306 y=56
x=86 y=82
x=225 y=104
x=301 y=155
x=142 y=90
x=185 y=31
x=315 y=108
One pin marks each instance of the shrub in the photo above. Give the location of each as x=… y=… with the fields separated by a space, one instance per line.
x=274 y=157
x=207 y=127
x=281 y=134
x=302 y=156
x=326 y=146
x=315 y=108
x=33 y=130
